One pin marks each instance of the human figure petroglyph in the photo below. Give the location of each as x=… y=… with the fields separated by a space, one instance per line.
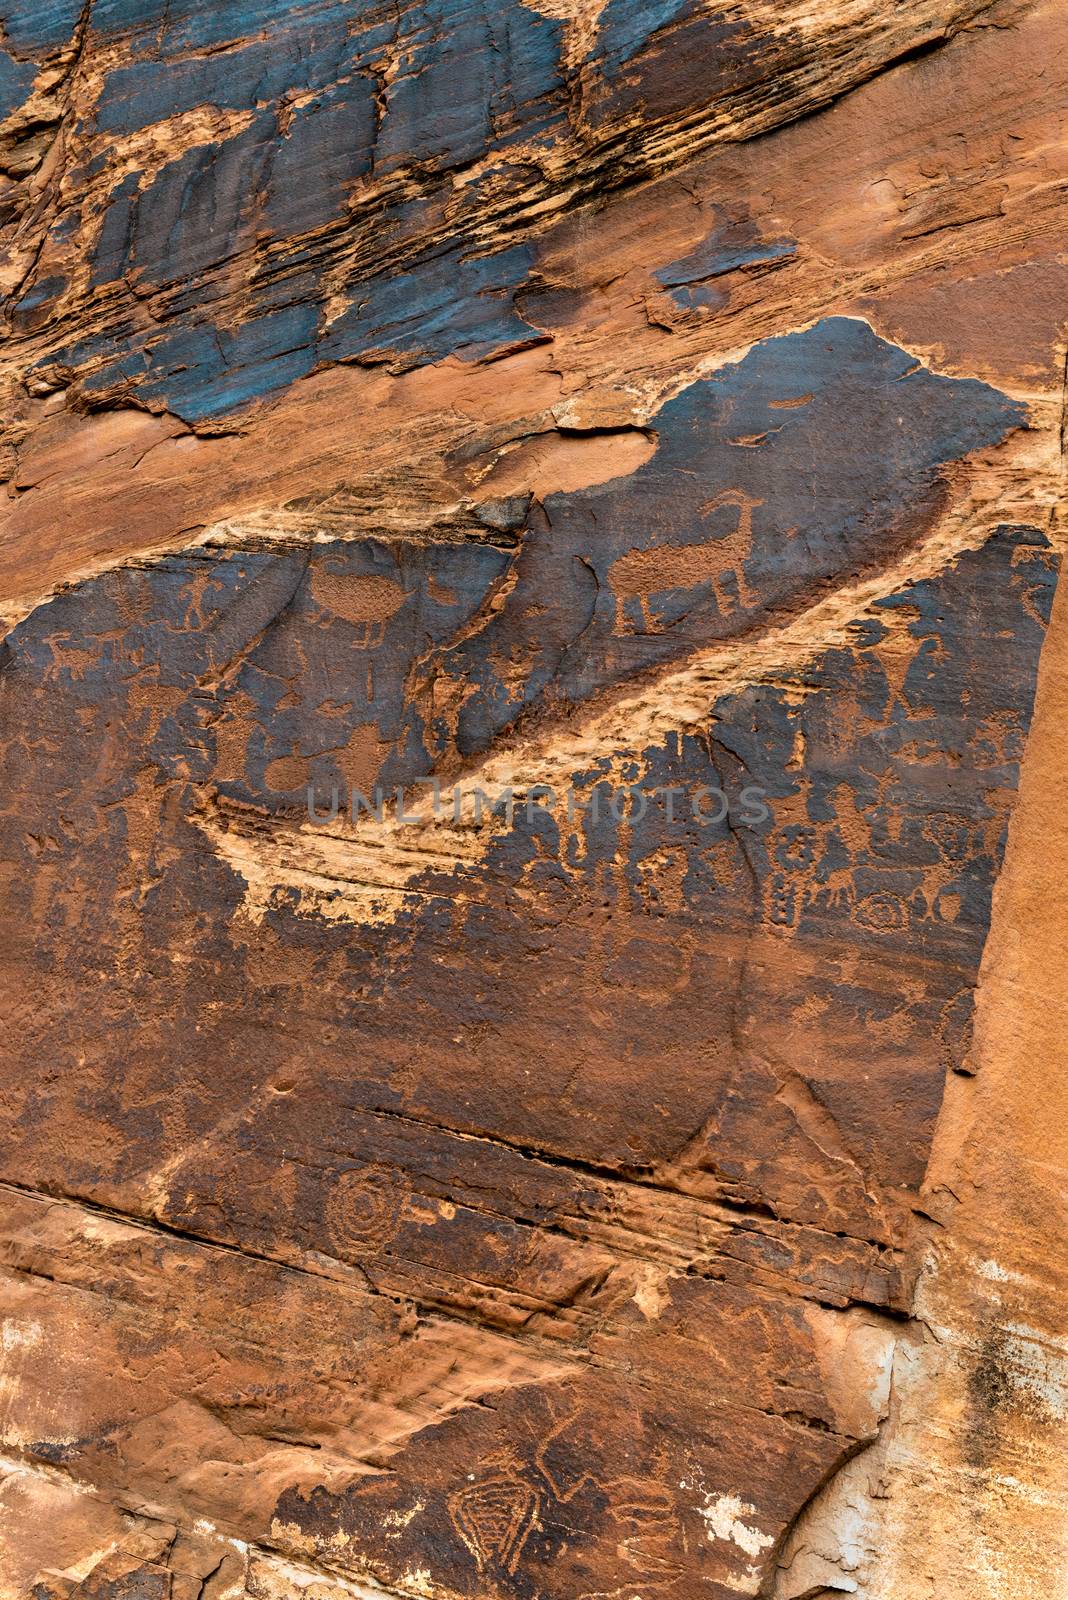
x=495 y=1516
x=639 y=573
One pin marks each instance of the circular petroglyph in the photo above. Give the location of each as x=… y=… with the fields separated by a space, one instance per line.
x=883 y=912
x=362 y=1210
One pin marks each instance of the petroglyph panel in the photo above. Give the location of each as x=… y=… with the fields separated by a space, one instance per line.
x=529 y=542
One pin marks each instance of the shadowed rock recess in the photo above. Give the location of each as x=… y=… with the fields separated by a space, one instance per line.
x=533 y=844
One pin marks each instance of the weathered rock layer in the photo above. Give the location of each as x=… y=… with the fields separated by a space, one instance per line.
x=530 y=898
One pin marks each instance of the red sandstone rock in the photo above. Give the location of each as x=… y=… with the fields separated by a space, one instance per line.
x=531 y=1013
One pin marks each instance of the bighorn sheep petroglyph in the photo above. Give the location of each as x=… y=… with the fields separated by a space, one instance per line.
x=641 y=573
x=367 y=601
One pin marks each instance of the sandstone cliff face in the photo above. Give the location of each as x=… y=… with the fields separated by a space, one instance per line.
x=626 y=1163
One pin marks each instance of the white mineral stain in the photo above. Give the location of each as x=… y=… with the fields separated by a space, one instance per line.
x=19 y=1335
x=724 y=1517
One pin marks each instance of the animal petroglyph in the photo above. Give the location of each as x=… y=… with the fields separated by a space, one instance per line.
x=639 y=574
x=368 y=601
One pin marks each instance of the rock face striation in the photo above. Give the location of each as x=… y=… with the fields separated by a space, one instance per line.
x=533 y=856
